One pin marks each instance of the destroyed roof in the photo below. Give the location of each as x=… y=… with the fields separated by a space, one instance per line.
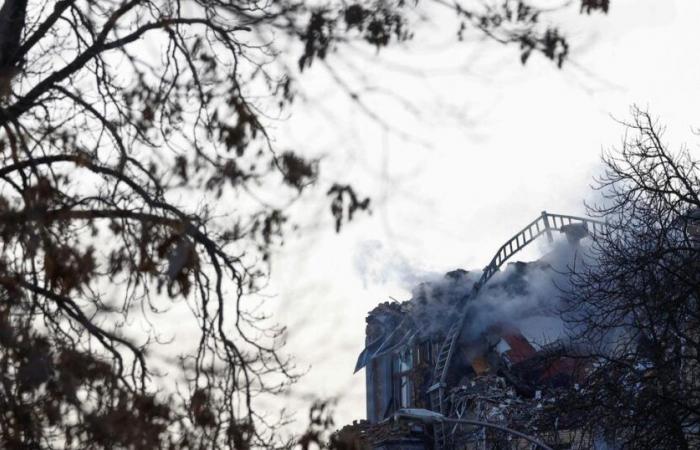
x=428 y=312
x=382 y=324
x=393 y=324
x=519 y=349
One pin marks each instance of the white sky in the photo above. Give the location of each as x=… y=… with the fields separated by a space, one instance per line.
x=507 y=141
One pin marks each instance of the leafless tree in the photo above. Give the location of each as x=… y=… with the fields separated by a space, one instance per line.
x=634 y=306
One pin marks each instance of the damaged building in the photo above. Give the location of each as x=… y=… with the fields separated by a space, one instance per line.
x=480 y=346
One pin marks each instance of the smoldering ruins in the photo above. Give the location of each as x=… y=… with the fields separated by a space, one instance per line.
x=486 y=345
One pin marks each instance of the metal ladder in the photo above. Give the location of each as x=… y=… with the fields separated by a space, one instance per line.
x=544 y=224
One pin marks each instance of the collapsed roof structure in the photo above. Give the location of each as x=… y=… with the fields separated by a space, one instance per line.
x=473 y=346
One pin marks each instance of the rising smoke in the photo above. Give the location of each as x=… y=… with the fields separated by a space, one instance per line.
x=528 y=296
x=378 y=265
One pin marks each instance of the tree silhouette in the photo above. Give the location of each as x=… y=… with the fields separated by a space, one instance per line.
x=634 y=308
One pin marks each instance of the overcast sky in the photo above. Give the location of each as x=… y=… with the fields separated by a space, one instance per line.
x=492 y=144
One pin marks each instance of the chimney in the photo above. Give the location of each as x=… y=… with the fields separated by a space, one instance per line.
x=575 y=232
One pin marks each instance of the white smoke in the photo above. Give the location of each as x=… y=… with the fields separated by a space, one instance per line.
x=379 y=265
x=529 y=296
x=434 y=304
